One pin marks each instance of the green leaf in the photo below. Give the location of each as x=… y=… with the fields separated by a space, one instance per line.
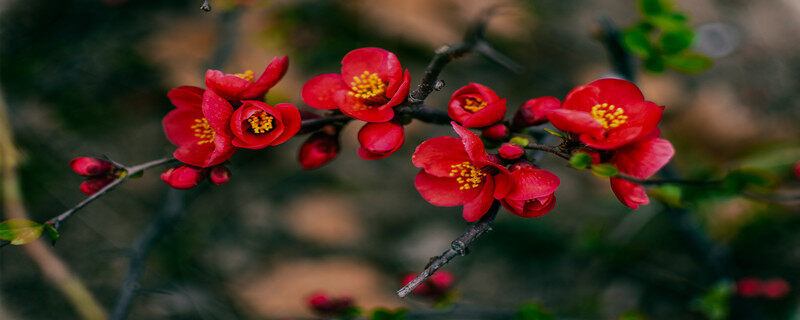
x=669 y=194
x=388 y=314
x=605 y=170
x=533 y=311
x=51 y=233
x=715 y=303
x=632 y=315
x=580 y=160
x=654 y=7
x=520 y=141
x=689 y=62
x=20 y=231
x=553 y=132
x=669 y=22
x=636 y=41
x=675 y=41
x=655 y=63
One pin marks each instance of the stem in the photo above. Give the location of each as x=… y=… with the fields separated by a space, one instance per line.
x=550 y=149
x=460 y=246
x=443 y=56
x=56 y=221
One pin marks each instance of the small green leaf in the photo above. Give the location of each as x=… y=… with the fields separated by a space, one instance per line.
x=533 y=311
x=580 y=160
x=669 y=22
x=689 y=62
x=520 y=141
x=715 y=303
x=669 y=194
x=655 y=63
x=637 y=42
x=388 y=314
x=51 y=233
x=605 y=170
x=20 y=231
x=675 y=41
x=654 y=7
x=553 y=132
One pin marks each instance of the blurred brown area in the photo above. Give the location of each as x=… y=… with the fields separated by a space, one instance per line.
x=89 y=78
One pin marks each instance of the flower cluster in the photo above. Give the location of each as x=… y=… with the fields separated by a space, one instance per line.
x=98 y=172
x=210 y=125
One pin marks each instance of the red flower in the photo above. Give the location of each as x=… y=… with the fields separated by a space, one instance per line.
x=459 y=172
x=607 y=114
x=775 y=288
x=475 y=106
x=379 y=140
x=92 y=185
x=748 y=287
x=535 y=111
x=532 y=192
x=511 y=151
x=241 y=86
x=498 y=132
x=183 y=177
x=202 y=140
x=640 y=159
x=86 y=166
x=256 y=125
x=320 y=148
x=370 y=84
x=434 y=287
x=219 y=175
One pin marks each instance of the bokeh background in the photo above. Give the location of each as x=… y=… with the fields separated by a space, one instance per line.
x=89 y=78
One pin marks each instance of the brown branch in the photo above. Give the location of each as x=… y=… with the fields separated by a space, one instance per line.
x=206 y=6
x=460 y=246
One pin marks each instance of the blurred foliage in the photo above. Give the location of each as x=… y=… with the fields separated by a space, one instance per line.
x=662 y=39
x=714 y=304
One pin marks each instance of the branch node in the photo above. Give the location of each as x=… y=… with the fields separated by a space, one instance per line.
x=439 y=85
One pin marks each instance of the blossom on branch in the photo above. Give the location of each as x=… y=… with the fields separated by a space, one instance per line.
x=320 y=148
x=532 y=192
x=244 y=86
x=458 y=171
x=475 y=106
x=535 y=111
x=370 y=84
x=640 y=159
x=379 y=140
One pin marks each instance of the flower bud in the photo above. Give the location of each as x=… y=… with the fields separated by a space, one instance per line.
x=535 y=111
x=86 y=166
x=775 y=288
x=183 y=177
x=496 y=132
x=319 y=149
x=324 y=305
x=748 y=287
x=219 y=175
x=92 y=185
x=379 y=140
x=511 y=151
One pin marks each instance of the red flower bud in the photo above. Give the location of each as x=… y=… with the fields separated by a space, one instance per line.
x=535 y=111
x=775 y=288
x=511 y=151
x=379 y=140
x=86 y=166
x=496 y=132
x=748 y=287
x=219 y=175
x=475 y=106
x=183 y=177
x=92 y=185
x=319 y=149
x=324 y=305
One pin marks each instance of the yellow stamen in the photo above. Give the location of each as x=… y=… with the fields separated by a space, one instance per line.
x=260 y=122
x=247 y=75
x=608 y=115
x=467 y=175
x=367 y=86
x=474 y=105
x=203 y=131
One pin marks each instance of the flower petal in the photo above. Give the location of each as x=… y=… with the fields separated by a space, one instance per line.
x=218 y=112
x=644 y=158
x=618 y=92
x=478 y=207
x=373 y=60
x=437 y=155
x=629 y=193
x=576 y=122
x=178 y=125
x=227 y=86
x=489 y=115
x=356 y=108
x=472 y=143
x=531 y=183
x=443 y=192
x=271 y=75
x=290 y=118
x=318 y=92
x=188 y=97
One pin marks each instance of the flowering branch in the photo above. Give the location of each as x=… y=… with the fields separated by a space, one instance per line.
x=460 y=246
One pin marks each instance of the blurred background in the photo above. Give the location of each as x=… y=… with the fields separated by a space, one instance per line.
x=89 y=78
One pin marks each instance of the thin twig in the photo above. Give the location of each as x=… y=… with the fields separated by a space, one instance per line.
x=550 y=149
x=132 y=171
x=425 y=114
x=460 y=246
x=443 y=56
x=169 y=215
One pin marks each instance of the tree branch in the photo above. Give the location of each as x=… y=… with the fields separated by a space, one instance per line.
x=169 y=215
x=460 y=246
